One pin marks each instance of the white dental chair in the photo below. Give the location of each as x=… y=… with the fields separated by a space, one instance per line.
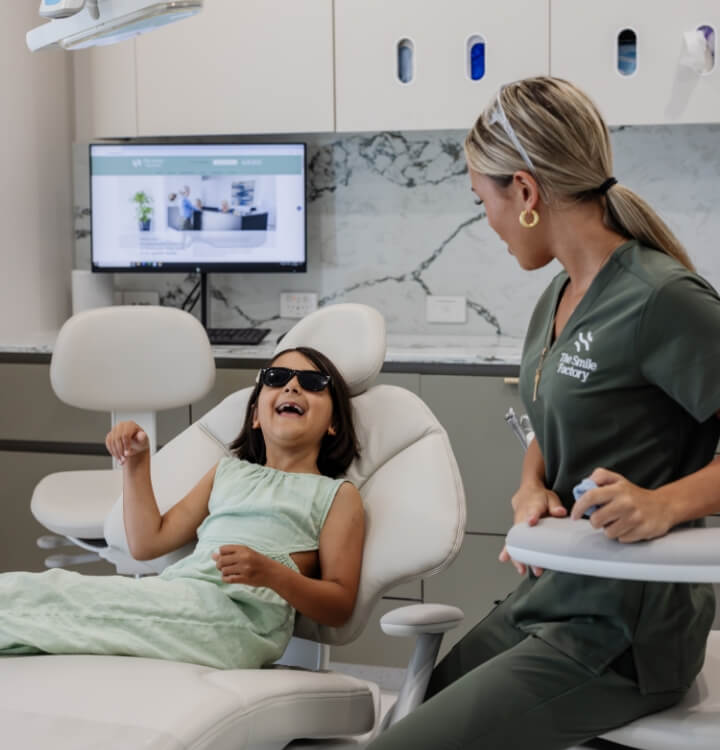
x=415 y=514
x=131 y=362
x=685 y=555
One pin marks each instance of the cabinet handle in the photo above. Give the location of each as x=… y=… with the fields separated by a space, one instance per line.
x=627 y=52
x=511 y=381
x=405 y=60
x=476 y=57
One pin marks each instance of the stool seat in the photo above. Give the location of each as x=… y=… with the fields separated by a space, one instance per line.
x=76 y=503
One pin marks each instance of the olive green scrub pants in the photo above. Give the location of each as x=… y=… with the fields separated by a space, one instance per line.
x=501 y=689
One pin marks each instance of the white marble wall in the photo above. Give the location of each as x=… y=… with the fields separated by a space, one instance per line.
x=391 y=219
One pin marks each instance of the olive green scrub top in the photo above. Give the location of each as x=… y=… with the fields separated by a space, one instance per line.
x=631 y=384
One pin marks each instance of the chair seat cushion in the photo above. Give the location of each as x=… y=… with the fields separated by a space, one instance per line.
x=81 y=702
x=76 y=503
x=692 y=724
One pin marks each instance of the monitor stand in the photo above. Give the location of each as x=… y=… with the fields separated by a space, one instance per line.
x=199 y=291
x=220 y=336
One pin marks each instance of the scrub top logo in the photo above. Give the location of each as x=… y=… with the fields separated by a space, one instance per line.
x=575 y=365
x=583 y=341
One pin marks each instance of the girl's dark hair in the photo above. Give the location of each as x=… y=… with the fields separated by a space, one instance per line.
x=336 y=451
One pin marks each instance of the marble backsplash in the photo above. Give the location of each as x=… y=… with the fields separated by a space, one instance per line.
x=391 y=219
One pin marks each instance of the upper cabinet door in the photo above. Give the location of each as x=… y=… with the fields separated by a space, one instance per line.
x=250 y=66
x=411 y=65
x=629 y=57
x=105 y=91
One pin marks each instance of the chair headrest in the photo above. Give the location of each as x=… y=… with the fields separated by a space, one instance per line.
x=352 y=336
x=131 y=358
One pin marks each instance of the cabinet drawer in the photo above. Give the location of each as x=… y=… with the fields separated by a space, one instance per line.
x=472 y=410
x=19 y=530
x=31 y=411
x=474 y=581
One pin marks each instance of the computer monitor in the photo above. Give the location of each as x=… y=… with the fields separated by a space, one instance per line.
x=204 y=207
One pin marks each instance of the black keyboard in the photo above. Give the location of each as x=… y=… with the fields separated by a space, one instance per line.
x=237 y=336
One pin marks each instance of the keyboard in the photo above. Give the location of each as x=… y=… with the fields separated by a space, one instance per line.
x=237 y=336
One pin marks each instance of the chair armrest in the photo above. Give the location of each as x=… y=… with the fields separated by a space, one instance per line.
x=415 y=619
x=428 y=622
x=684 y=555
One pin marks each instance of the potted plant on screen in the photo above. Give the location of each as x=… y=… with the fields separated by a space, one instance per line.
x=143 y=209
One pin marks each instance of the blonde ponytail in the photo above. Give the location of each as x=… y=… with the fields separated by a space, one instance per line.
x=628 y=214
x=566 y=141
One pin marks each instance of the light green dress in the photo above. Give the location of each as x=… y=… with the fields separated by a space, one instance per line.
x=186 y=613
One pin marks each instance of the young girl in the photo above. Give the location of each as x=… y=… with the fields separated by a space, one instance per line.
x=276 y=532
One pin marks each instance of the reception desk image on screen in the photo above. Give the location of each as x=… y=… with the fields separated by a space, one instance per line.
x=210 y=219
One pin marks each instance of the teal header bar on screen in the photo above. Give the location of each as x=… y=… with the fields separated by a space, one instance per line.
x=203 y=165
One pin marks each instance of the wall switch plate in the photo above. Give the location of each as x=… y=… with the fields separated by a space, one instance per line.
x=445 y=309
x=297 y=304
x=141 y=298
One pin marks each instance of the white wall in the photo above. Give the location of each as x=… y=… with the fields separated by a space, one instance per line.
x=36 y=235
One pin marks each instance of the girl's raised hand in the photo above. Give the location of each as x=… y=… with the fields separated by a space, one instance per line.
x=126 y=440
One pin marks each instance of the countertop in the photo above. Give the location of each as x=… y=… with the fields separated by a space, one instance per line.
x=486 y=355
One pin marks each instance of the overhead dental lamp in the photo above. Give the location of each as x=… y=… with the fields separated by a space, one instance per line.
x=75 y=24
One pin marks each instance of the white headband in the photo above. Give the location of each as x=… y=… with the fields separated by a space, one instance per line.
x=498 y=115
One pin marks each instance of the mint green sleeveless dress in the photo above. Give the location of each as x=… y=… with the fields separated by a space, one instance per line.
x=186 y=613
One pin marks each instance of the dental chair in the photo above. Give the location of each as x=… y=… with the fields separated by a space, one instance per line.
x=684 y=555
x=415 y=514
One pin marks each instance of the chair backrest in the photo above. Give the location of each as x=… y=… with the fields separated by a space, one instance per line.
x=406 y=473
x=132 y=361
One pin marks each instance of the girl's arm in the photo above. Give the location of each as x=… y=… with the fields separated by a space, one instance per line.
x=149 y=533
x=329 y=600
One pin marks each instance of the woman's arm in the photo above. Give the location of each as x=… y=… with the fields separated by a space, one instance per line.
x=330 y=600
x=631 y=514
x=149 y=533
x=533 y=500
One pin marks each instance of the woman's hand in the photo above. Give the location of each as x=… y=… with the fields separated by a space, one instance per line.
x=241 y=564
x=627 y=512
x=530 y=504
x=126 y=440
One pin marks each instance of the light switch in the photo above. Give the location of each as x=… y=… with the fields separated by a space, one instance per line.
x=445 y=309
x=297 y=304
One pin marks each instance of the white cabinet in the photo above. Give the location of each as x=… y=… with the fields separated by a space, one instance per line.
x=584 y=49
x=441 y=92
x=105 y=97
x=254 y=66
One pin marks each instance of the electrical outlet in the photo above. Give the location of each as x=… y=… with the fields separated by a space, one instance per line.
x=297 y=304
x=141 y=298
x=445 y=309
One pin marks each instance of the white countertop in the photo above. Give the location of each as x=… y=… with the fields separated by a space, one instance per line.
x=408 y=348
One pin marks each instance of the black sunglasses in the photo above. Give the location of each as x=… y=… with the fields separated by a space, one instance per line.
x=310 y=380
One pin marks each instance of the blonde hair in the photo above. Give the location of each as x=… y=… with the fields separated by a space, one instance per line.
x=568 y=145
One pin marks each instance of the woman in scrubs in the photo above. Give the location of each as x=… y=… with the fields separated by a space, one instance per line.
x=620 y=377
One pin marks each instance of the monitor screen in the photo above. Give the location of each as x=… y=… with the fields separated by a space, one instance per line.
x=198 y=207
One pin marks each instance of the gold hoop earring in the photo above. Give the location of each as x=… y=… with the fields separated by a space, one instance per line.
x=533 y=222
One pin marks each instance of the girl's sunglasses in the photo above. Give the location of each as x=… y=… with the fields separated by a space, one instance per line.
x=310 y=380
